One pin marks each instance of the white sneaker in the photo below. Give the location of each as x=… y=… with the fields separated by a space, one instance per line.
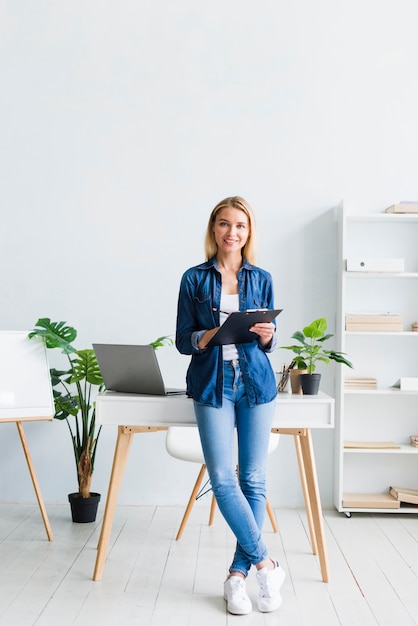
x=270 y=581
x=235 y=594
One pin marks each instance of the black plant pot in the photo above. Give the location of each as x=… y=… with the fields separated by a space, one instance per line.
x=84 y=509
x=310 y=383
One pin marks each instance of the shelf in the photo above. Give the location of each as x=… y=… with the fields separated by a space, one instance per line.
x=374 y=503
x=402 y=509
x=380 y=333
x=404 y=449
x=387 y=391
x=383 y=412
x=381 y=274
x=384 y=217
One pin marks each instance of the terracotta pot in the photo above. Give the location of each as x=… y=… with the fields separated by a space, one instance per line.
x=295 y=380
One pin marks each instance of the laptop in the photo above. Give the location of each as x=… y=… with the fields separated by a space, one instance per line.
x=131 y=369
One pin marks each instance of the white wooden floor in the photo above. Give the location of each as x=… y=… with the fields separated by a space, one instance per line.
x=150 y=579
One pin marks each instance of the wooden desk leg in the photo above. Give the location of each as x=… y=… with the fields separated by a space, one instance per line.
x=123 y=445
x=305 y=492
x=315 y=501
x=34 y=481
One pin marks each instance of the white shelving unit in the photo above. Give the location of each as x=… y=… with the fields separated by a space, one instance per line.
x=385 y=413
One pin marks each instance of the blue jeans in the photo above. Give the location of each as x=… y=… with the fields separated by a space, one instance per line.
x=242 y=499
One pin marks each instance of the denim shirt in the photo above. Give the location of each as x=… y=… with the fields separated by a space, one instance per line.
x=198 y=311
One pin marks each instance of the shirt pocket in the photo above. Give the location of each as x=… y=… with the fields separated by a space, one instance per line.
x=259 y=303
x=203 y=310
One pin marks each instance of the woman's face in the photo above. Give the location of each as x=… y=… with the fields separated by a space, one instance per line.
x=231 y=229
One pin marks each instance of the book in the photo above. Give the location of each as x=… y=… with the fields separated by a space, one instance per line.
x=235 y=329
x=360 y=382
x=370 y=501
x=403 y=207
x=359 y=379
x=372 y=445
x=373 y=327
x=403 y=494
x=380 y=318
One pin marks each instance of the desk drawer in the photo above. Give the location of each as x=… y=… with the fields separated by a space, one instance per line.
x=299 y=411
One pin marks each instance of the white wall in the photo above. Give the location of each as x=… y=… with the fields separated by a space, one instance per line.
x=123 y=123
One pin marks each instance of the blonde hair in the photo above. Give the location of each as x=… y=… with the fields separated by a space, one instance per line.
x=248 y=251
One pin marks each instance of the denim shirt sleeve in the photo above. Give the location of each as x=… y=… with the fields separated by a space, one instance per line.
x=272 y=345
x=189 y=329
x=196 y=337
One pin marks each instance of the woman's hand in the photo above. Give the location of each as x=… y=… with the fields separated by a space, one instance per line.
x=265 y=331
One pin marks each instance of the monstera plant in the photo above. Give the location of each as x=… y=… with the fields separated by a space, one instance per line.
x=74 y=391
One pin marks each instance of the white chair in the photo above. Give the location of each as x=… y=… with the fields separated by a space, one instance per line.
x=184 y=444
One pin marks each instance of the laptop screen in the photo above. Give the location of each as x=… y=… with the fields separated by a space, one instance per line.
x=130 y=368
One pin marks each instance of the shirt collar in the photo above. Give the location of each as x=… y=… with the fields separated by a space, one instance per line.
x=213 y=264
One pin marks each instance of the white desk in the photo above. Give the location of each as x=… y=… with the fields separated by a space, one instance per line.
x=295 y=415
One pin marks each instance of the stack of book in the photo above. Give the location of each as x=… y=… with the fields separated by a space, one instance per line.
x=372 y=445
x=373 y=322
x=370 y=501
x=403 y=494
x=414 y=441
x=360 y=382
x=403 y=207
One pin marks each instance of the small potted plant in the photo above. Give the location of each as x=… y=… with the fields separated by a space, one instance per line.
x=74 y=391
x=310 y=350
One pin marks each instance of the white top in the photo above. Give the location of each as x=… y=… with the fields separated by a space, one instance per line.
x=229 y=303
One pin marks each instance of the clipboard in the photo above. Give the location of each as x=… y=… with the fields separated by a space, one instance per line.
x=235 y=328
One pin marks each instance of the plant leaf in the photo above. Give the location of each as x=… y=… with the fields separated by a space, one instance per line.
x=316 y=328
x=86 y=367
x=57 y=376
x=296 y=349
x=339 y=357
x=65 y=405
x=55 y=334
x=299 y=336
x=166 y=340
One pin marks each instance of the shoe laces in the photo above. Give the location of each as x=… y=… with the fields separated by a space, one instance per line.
x=267 y=584
x=237 y=583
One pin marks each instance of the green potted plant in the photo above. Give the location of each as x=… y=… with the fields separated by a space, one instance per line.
x=74 y=390
x=310 y=350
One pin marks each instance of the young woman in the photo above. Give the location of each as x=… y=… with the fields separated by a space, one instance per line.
x=233 y=387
